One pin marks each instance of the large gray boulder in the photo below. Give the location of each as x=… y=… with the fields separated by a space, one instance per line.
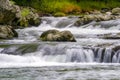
x=7 y=32
x=5 y=4
x=55 y=35
x=16 y=15
x=6 y=15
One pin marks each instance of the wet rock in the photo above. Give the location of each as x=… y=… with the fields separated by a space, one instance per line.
x=55 y=35
x=92 y=17
x=99 y=16
x=112 y=36
x=7 y=32
x=116 y=48
x=20 y=50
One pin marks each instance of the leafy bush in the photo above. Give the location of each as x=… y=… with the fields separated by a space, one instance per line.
x=68 y=6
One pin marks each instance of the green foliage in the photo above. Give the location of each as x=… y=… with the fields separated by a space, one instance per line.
x=88 y=5
x=25 y=12
x=68 y=6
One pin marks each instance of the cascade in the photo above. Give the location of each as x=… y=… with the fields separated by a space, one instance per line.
x=65 y=53
x=97 y=42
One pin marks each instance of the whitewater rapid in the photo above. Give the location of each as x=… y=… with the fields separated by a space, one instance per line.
x=89 y=35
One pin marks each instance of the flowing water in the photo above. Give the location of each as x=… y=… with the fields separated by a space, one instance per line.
x=95 y=55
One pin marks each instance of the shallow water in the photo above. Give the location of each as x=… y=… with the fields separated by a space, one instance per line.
x=74 y=72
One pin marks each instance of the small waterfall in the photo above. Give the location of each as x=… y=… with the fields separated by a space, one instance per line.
x=96 y=43
x=66 y=53
x=80 y=55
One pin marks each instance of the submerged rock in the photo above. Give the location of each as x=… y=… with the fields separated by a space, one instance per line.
x=7 y=32
x=20 y=50
x=55 y=35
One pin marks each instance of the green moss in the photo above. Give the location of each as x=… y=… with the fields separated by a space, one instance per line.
x=4 y=46
x=25 y=12
x=24 y=22
x=28 y=48
x=67 y=6
x=59 y=14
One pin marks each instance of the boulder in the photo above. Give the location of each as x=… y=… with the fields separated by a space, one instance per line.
x=55 y=35
x=93 y=17
x=6 y=15
x=112 y=36
x=7 y=32
x=14 y=15
x=28 y=17
x=116 y=11
x=5 y=4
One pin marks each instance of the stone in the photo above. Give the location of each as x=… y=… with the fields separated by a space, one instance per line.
x=30 y=19
x=11 y=14
x=7 y=32
x=116 y=11
x=55 y=35
x=6 y=14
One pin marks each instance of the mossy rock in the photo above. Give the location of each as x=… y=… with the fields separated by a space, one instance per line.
x=55 y=35
x=48 y=35
x=20 y=49
x=7 y=32
x=116 y=11
x=59 y=14
x=29 y=17
x=6 y=16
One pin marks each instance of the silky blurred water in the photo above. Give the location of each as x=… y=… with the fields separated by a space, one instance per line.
x=63 y=60
x=74 y=72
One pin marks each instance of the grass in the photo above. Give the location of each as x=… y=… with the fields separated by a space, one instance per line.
x=68 y=6
x=53 y=6
x=90 y=5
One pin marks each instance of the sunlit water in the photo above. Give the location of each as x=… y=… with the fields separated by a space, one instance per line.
x=92 y=57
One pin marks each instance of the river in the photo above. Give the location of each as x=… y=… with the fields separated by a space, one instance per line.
x=95 y=55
